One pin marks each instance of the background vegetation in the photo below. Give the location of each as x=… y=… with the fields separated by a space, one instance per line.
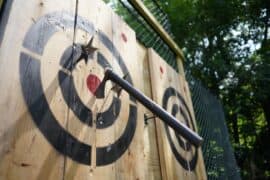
x=227 y=47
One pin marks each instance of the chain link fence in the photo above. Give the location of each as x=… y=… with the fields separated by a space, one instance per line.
x=218 y=155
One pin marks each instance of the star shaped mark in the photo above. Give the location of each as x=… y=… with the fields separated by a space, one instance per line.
x=87 y=51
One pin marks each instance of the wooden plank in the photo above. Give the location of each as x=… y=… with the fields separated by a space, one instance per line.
x=131 y=164
x=115 y=147
x=177 y=157
x=81 y=100
x=151 y=154
x=99 y=15
x=32 y=107
x=180 y=66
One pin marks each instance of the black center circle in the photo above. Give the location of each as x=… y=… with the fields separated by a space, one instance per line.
x=38 y=104
x=186 y=114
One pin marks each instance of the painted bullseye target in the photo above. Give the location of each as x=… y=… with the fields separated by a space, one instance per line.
x=38 y=99
x=174 y=103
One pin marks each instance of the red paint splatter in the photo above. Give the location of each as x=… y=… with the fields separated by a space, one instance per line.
x=124 y=37
x=161 y=70
x=92 y=83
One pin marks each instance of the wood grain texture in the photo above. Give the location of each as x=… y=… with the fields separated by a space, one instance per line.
x=172 y=147
x=131 y=165
x=24 y=152
x=81 y=100
x=115 y=149
x=151 y=153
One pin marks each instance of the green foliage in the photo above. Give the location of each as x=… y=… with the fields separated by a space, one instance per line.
x=227 y=47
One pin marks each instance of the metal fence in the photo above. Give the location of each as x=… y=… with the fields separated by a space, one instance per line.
x=217 y=151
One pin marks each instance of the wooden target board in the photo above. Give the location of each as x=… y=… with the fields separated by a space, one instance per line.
x=53 y=127
x=179 y=159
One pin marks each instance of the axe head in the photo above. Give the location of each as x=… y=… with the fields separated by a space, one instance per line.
x=100 y=91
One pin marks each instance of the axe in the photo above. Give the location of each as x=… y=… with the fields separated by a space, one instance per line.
x=166 y=117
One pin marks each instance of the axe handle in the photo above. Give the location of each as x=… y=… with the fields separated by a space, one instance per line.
x=166 y=117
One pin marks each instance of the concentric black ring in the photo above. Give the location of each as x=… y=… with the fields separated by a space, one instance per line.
x=186 y=146
x=38 y=104
x=83 y=113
